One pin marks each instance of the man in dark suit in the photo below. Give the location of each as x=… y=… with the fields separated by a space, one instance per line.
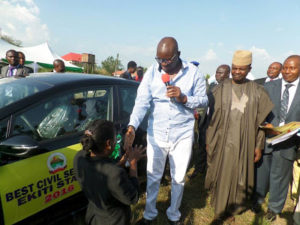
x=13 y=69
x=273 y=71
x=274 y=170
x=22 y=62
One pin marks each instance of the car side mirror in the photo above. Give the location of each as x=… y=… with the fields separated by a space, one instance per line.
x=19 y=146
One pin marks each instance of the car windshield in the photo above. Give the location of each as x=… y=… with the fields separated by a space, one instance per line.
x=14 y=89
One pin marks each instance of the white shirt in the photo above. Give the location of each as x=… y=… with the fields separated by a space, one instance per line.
x=169 y=120
x=14 y=71
x=269 y=79
x=292 y=92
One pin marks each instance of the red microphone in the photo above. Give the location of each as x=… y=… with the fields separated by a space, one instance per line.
x=166 y=79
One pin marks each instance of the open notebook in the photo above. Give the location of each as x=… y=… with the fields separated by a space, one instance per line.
x=284 y=132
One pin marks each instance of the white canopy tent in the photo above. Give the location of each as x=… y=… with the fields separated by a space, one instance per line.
x=39 y=55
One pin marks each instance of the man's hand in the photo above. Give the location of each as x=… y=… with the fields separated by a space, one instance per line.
x=269 y=125
x=271 y=132
x=175 y=92
x=257 y=155
x=129 y=138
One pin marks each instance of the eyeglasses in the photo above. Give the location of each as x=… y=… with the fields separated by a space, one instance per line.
x=173 y=59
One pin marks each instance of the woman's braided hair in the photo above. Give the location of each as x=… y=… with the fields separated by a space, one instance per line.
x=96 y=135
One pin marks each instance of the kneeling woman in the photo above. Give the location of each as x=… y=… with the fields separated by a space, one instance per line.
x=107 y=186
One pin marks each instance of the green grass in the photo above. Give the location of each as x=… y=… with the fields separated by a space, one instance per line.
x=196 y=210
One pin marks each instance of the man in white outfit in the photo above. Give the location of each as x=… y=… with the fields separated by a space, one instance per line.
x=171 y=123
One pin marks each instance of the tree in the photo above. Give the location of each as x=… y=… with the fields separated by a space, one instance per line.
x=110 y=65
x=207 y=76
x=11 y=40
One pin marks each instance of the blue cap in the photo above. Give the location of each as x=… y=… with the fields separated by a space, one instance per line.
x=195 y=63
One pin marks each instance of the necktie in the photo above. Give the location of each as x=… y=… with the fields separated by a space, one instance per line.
x=11 y=71
x=284 y=103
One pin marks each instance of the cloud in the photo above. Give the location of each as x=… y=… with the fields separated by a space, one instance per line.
x=11 y=26
x=208 y=61
x=260 y=52
x=21 y=21
x=218 y=44
x=261 y=61
x=210 y=55
x=288 y=53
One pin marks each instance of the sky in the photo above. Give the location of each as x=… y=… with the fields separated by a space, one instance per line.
x=207 y=31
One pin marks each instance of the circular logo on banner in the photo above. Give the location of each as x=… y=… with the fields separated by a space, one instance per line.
x=56 y=162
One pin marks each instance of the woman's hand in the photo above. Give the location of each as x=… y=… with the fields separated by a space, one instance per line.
x=123 y=160
x=136 y=153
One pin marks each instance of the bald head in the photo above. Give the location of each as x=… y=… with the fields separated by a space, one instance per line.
x=167 y=45
x=167 y=55
x=294 y=57
x=291 y=68
x=222 y=73
x=274 y=70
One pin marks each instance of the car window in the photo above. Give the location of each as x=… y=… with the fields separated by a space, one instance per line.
x=12 y=89
x=64 y=114
x=127 y=97
x=3 y=129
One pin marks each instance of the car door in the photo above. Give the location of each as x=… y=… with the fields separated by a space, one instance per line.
x=127 y=95
x=37 y=150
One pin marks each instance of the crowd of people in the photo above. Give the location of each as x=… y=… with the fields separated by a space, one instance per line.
x=16 y=65
x=133 y=72
x=241 y=168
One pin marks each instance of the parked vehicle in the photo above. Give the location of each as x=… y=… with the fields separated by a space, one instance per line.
x=42 y=118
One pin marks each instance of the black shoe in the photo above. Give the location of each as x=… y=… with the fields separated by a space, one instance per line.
x=144 y=221
x=270 y=215
x=256 y=208
x=178 y=222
